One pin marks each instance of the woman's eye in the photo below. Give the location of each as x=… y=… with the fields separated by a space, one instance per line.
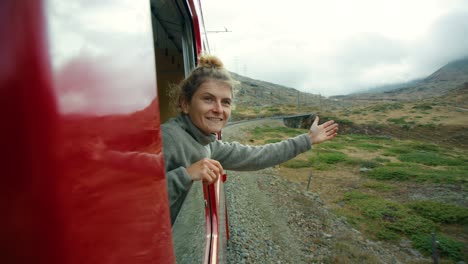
x=208 y=99
x=227 y=103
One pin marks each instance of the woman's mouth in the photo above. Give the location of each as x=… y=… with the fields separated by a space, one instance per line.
x=214 y=119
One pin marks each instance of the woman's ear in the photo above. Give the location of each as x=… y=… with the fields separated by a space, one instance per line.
x=184 y=105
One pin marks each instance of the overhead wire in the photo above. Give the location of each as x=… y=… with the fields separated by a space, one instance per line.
x=206 y=47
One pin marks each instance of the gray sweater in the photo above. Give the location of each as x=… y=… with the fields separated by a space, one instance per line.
x=184 y=144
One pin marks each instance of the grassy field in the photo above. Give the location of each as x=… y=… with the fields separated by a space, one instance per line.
x=389 y=189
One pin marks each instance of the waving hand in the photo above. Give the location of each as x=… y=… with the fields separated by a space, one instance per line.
x=323 y=132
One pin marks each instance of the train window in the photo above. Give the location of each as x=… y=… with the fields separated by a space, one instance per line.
x=175 y=58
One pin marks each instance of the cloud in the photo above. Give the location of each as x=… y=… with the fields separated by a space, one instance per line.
x=337 y=47
x=446 y=41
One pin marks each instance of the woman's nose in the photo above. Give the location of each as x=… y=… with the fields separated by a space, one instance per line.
x=218 y=107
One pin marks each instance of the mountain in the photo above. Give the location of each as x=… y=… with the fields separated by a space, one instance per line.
x=454 y=71
x=389 y=87
x=255 y=99
x=451 y=77
x=253 y=92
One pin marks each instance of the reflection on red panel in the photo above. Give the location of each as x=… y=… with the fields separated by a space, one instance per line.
x=58 y=204
x=117 y=208
x=102 y=85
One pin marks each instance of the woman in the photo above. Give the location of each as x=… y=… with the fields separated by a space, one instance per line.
x=191 y=149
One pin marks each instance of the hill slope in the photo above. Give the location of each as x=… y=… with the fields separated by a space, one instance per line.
x=255 y=98
x=447 y=79
x=259 y=93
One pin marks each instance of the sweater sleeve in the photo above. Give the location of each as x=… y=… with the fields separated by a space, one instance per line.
x=178 y=185
x=177 y=179
x=235 y=156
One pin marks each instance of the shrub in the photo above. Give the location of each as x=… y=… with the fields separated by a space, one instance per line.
x=386 y=234
x=429 y=158
x=369 y=164
x=429 y=126
x=341 y=121
x=425 y=147
x=440 y=212
x=422 y=107
x=403 y=165
x=417 y=173
x=380 y=186
x=391 y=173
x=397 y=150
x=368 y=137
x=386 y=107
x=297 y=163
x=388 y=216
x=289 y=131
x=354 y=161
x=332 y=157
x=397 y=121
x=332 y=145
x=320 y=166
x=446 y=246
x=380 y=160
x=409 y=224
x=368 y=146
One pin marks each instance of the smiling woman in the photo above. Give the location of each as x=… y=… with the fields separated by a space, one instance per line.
x=210 y=107
x=206 y=96
x=192 y=151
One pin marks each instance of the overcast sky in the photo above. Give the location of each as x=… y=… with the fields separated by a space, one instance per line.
x=102 y=55
x=336 y=46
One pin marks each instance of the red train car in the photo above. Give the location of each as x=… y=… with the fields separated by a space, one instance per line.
x=77 y=77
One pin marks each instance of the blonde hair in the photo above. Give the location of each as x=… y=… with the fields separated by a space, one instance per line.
x=209 y=68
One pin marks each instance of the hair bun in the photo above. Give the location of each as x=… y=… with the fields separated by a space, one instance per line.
x=210 y=61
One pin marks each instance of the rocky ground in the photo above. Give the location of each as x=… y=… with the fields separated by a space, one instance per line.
x=273 y=220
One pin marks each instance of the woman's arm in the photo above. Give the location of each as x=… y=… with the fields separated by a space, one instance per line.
x=235 y=156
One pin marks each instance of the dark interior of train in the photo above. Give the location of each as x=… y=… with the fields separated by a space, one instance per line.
x=174 y=50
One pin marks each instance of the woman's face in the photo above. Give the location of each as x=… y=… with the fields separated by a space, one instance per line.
x=210 y=107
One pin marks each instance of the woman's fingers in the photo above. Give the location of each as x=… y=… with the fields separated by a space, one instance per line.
x=215 y=169
x=329 y=124
x=215 y=166
x=331 y=128
x=210 y=177
x=206 y=169
x=316 y=120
